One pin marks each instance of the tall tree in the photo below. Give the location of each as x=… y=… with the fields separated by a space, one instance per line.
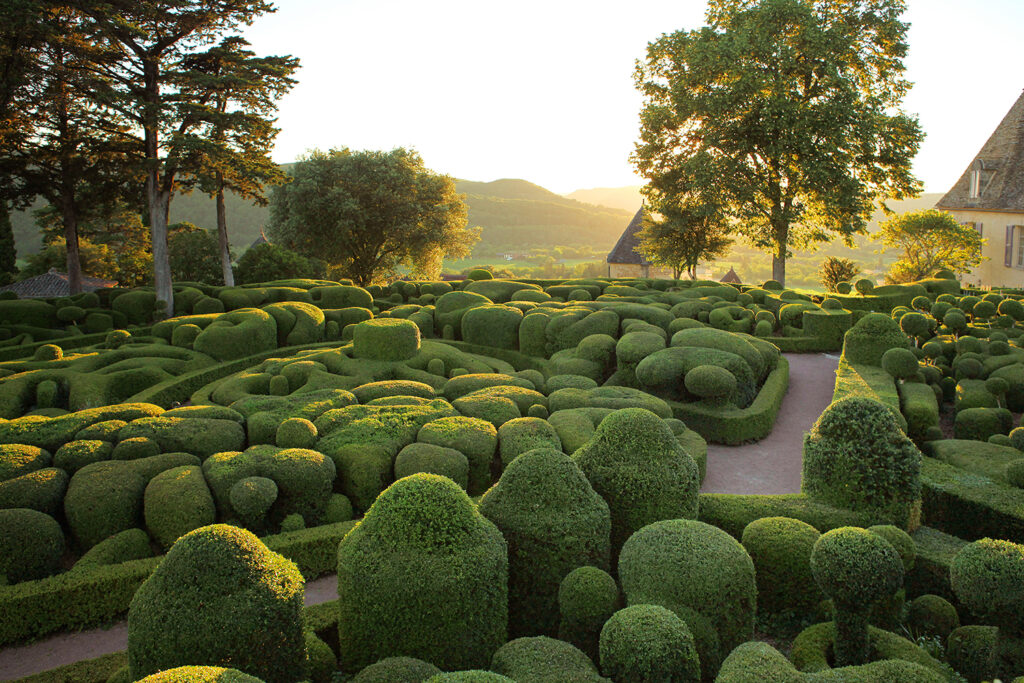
x=79 y=154
x=239 y=96
x=684 y=235
x=790 y=108
x=367 y=213
x=155 y=40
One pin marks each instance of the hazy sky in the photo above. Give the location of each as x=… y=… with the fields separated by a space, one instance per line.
x=544 y=90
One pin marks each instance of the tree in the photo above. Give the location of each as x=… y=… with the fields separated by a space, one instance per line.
x=368 y=213
x=789 y=109
x=97 y=260
x=835 y=270
x=234 y=151
x=268 y=262
x=684 y=236
x=194 y=254
x=162 y=95
x=931 y=240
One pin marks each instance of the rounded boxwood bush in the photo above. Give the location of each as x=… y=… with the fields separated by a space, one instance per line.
x=396 y=670
x=872 y=336
x=681 y=563
x=292 y=522
x=493 y=325
x=74 y=455
x=710 y=382
x=855 y=568
x=200 y=674
x=131 y=544
x=177 y=501
x=387 y=339
x=587 y=597
x=932 y=615
x=19 y=459
x=900 y=363
x=523 y=434
x=479 y=274
x=988 y=578
x=553 y=522
x=252 y=497
x=1015 y=473
x=135 y=448
x=220 y=596
x=541 y=659
x=424 y=574
x=648 y=644
x=475 y=438
x=857 y=457
x=296 y=432
x=31 y=545
x=1012 y=308
x=185 y=335
x=780 y=548
x=969 y=651
x=425 y=457
x=48 y=352
x=634 y=461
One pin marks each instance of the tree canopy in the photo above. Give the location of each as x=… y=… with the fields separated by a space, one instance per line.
x=931 y=240
x=367 y=213
x=790 y=109
x=683 y=236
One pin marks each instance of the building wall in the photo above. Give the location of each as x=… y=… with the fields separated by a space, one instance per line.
x=993 y=271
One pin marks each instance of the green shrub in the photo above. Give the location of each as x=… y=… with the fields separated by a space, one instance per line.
x=422 y=555
x=988 y=579
x=871 y=337
x=587 y=598
x=220 y=580
x=780 y=548
x=425 y=457
x=396 y=670
x=755 y=661
x=296 y=432
x=477 y=274
x=135 y=448
x=553 y=522
x=901 y=363
x=136 y=305
x=471 y=676
x=184 y=336
x=394 y=387
x=106 y=497
x=475 y=438
x=386 y=339
x=292 y=522
x=646 y=644
x=519 y=435
x=130 y=544
x=698 y=571
x=19 y=459
x=237 y=334
x=267 y=262
x=339 y=509
x=74 y=455
x=495 y=325
x=196 y=435
x=42 y=490
x=542 y=659
x=175 y=502
x=856 y=456
x=31 y=545
x=297 y=322
x=251 y=498
x=710 y=382
x=932 y=615
x=981 y=423
x=855 y=568
x=969 y=650
x=899 y=659
x=495 y=409
x=636 y=464
x=200 y=674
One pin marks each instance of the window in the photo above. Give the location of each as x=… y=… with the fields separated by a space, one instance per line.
x=975 y=184
x=1019 y=241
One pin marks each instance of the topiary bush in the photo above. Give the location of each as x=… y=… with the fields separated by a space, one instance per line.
x=475 y=438
x=424 y=575
x=987 y=577
x=130 y=544
x=31 y=545
x=587 y=597
x=647 y=644
x=855 y=568
x=871 y=337
x=636 y=464
x=177 y=501
x=220 y=580
x=969 y=651
x=396 y=670
x=780 y=548
x=200 y=674
x=856 y=457
x=553 y=522
x=425 y=457
x=541 y=659
x=523 y=434
x=932 y=615
x=296 y=432
x=710 y=382
x=698 y=571
x=387 y=339
x=901 y=363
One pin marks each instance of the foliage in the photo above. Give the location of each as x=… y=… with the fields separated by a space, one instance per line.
x=684 y=236
x=930 y=240
x=367 y=213
x=789 y=109
x=648 y=643
x=8 y=253
x=835 y=270
x=267 y=262
x=97 y=260
x=193 y=255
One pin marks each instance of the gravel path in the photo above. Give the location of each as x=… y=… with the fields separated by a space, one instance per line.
x=773 y=464
x=769 y=466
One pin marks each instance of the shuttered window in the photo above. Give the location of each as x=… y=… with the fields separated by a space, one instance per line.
x=1008 y=253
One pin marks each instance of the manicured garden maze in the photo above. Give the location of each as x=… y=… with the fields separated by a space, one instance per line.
x=504 y=476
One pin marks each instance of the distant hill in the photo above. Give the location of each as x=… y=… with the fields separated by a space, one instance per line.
x=625 y=198
x=515 y=215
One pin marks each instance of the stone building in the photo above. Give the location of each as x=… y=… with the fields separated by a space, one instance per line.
x=625 y=260
x=990 y=197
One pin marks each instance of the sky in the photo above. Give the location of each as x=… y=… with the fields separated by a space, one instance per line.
x=544 y=91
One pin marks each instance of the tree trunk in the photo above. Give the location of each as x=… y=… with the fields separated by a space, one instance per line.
x=779 y=257
x=157 y=197
x=222 y=234
x=74 y=261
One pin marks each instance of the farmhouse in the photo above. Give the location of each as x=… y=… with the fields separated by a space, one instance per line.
x=990 y=197
x=625 y=259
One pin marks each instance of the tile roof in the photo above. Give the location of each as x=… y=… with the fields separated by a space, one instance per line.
x=1000 y=164
x=53 y=284
x=625 y=250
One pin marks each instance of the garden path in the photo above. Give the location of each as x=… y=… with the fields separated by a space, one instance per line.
x=769 y=466
x=772 y=465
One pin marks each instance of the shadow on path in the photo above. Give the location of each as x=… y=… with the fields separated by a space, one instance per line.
x=772 y=465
